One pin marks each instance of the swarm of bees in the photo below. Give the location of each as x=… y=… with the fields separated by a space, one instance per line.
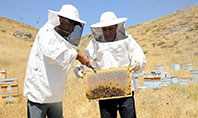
x=104 y=92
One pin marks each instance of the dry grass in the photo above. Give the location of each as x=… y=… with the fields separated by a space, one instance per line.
x=161 y=47
x=172 y=102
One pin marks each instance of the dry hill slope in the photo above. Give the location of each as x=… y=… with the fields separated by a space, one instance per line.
x=169 y=39
x=14 y=51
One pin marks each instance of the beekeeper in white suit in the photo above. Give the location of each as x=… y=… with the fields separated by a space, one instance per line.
x=51 y=58
x=110 y=48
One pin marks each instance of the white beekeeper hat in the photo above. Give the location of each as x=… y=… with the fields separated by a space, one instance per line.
x=108 y=19
x=70 y=12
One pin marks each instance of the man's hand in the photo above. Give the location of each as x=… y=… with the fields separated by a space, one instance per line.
x=83 y=58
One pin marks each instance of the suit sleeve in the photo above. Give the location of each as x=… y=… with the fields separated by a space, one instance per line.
x=136 y=56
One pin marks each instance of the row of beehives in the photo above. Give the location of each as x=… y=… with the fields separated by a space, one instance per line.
x=176 y=67
x=184 y=70
x=157 y=80
x=8 y=87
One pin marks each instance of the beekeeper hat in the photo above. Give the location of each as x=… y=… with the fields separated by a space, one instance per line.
x=70 y=12
x=108 y=19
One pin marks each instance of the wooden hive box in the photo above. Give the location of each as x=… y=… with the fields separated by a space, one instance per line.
x=2 y=73
x=9 y=89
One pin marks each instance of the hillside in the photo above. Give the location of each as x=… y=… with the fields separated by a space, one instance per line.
x=14 y=51
x=166 y=40
x=169 y=39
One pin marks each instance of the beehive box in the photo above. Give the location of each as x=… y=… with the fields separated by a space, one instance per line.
x=107 y=83
x=2 y=73
x=9 y=89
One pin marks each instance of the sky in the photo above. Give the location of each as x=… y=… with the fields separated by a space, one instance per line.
x=35 y=12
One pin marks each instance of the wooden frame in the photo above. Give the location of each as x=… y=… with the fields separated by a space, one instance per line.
x=108 y=83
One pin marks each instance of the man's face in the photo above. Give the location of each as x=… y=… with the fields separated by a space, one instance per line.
x=66 y=25
x=109 y=32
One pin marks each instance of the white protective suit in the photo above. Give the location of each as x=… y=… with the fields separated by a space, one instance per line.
x=124 y=51
x=49 y=63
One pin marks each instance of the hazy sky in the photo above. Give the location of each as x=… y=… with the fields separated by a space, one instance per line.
x=35 y=12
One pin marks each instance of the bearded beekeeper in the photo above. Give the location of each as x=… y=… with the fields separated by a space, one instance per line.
x=51 y=58
x=110 y=48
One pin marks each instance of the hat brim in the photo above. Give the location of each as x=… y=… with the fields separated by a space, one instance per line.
x=63 y=15
x=109 y=23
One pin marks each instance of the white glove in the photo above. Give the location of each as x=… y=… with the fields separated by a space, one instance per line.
x=135 y=67
x=78 y=71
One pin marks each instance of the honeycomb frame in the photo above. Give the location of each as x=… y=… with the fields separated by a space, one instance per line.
x=107 y=90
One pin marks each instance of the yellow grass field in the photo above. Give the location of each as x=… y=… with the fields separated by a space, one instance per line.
x=162 y=46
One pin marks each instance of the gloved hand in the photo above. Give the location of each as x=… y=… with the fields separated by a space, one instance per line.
x=78 y=71
x=135 y=66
